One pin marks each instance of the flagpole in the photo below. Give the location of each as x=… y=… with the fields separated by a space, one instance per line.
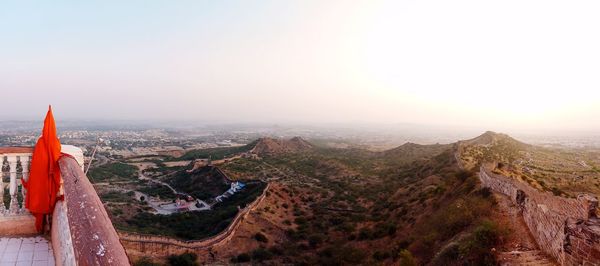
x=93 y=154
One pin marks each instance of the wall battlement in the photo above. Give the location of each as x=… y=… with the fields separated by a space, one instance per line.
x=565 y=228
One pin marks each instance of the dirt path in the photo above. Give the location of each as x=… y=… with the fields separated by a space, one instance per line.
x=520 y=247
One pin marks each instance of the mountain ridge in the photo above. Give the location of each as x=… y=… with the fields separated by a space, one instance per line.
x=274 y=146
x=490 y=137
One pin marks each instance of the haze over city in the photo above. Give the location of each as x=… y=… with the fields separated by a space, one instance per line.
x=510 y=65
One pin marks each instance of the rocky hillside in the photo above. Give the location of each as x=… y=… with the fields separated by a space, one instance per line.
x=489 y=138
x=271 y=146
x=204 y=183
x=352 y=207
x=489 y=147
x=409 y=152
x=411 y=205
x=564 y=171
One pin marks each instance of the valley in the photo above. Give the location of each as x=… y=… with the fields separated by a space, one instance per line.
x=410 y=205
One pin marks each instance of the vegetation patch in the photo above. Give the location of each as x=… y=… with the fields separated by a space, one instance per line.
x=117 y=196
x=185 y=259
x=196 y=224
x=204 y=183
x=157 y=190
x=216 y=153
x=113 y=172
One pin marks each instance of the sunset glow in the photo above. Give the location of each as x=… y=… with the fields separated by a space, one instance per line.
x=508 y=64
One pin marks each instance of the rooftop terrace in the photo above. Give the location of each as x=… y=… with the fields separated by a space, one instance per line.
x=80 y=232
x=26 y=251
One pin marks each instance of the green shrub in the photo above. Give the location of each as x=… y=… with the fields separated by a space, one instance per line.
x=158 y=190
x=260 y=237
x=485 y=192
x=486 y=234
x=185 y=259
x=277 y=250
x=447 y=256
x=243 y=257
x=117 y=212
x=346 y=255
x=364 y=234
x=261 y=254
x=557 y=191
x=300 y=221
x=216 y=153
x=476 y=249
x=381 y=255
x=117 y=196
x=405 y=258
x=145 y=261
x=113 y=171
x=315 y=240
x=383 y=230
x=462 y=175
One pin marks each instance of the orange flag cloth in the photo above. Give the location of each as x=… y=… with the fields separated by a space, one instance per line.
x=44 y=176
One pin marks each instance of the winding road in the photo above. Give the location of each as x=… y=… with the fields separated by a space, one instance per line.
x=163 y=207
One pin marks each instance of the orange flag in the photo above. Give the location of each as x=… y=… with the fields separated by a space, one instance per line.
x=44 y=175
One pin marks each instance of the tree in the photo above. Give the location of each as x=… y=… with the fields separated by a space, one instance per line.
x=260 y=237
x=243 y=257
x=145 y=261
x=261 y=254
x=406 y=258
x=185 y=259
x=315 y=240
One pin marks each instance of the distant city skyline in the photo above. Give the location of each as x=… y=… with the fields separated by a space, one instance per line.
x=504 y=66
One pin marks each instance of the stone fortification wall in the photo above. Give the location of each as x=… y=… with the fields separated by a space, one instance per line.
x=565 y=228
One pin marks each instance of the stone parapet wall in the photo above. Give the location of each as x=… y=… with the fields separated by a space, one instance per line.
x=138 y=245
x=62 y=244
x=93 y=238
x=565 y=228
x=582 y=244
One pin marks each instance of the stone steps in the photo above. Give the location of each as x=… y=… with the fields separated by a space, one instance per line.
x=528 y=258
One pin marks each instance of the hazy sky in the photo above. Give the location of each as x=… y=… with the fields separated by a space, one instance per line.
x=491 y=64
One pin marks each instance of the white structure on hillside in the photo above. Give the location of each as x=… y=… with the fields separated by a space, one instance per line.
x=234 y=188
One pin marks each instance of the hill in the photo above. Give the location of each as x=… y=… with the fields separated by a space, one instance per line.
x=215 y=153
x=491 y=138
x=489 y=147
x=410 y=205
x=564 y=171
x=204 y=183
x=410 y=152
x=333 y=206
x=271 y=146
